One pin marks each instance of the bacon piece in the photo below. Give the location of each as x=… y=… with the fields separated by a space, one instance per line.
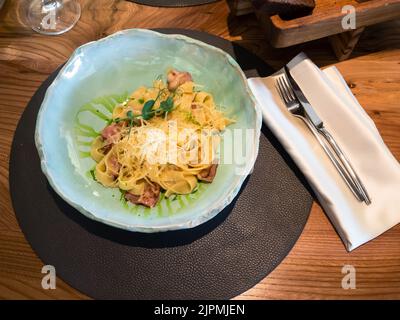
x=106 y=149
x=207 y=175
x=176 y=78
x=148 y=198
x=114 y=165
x=132 y=198
x=112 y=132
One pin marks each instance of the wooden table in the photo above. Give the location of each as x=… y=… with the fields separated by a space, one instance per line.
x=313 y=267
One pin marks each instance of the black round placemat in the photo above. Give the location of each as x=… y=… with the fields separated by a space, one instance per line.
x=217 y=260
x=173 y=3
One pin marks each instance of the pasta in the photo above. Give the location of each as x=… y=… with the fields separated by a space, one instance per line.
x=164 y=138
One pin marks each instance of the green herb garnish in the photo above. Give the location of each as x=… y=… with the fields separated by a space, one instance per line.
x=167 y=105
x=147 y=112
x=92 y=173
x=131 y=117
x=189 y=117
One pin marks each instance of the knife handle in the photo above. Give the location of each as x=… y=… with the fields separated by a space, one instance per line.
x=339 y=167
x=345 y=161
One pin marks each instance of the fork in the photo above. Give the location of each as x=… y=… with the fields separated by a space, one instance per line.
x=342 y=164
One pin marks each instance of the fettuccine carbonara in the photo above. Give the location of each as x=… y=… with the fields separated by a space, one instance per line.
x=162 y=139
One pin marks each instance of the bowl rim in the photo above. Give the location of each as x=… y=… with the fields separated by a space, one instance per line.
x=216 y=207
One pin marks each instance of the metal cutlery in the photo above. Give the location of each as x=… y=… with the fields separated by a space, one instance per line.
x=299 y=106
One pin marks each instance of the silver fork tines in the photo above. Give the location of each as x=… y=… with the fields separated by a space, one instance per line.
x=287 y=94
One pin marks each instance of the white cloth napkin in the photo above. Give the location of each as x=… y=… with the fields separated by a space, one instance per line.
x=355 y=132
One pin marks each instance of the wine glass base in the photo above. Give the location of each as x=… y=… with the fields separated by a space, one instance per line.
x=54 y=17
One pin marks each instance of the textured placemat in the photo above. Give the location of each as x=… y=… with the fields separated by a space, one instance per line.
x=172 y=3
x=219 y=259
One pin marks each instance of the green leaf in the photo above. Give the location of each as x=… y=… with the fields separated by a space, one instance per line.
x=93 y=174
x=147 y=111
x=129 y=114
x=141 y=100
x=167 y=105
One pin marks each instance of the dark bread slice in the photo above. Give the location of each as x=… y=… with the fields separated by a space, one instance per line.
x=287 y=9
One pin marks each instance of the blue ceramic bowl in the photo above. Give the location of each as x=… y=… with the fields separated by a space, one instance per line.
x=80 y=100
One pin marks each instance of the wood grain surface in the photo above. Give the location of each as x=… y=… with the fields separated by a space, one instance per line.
x=325 y=20
x=313 y=267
